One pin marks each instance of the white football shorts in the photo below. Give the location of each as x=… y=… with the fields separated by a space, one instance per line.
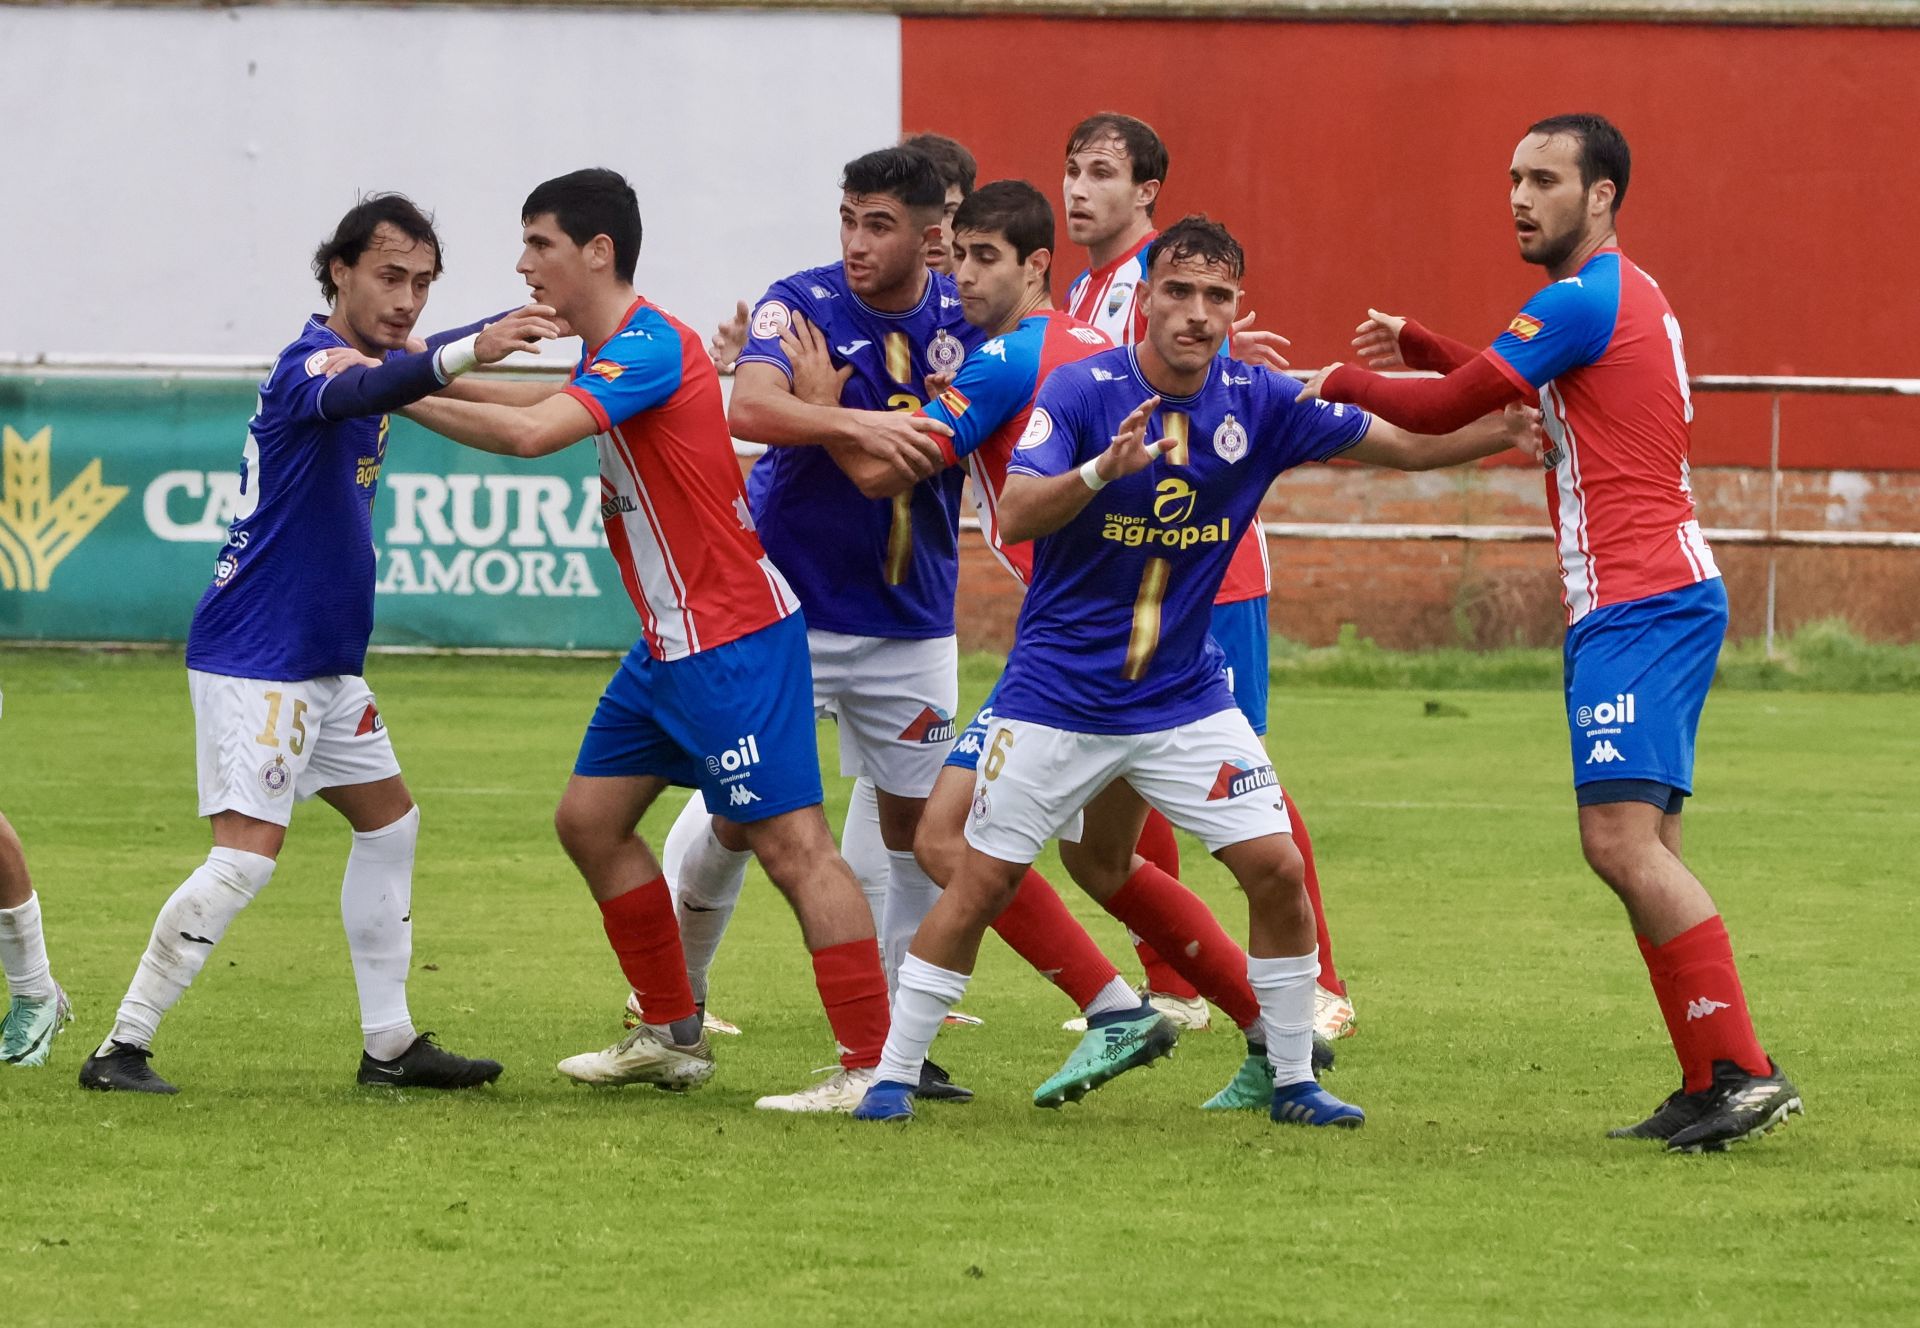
x=894 y=702
x=261 y=746
x=1211 y=778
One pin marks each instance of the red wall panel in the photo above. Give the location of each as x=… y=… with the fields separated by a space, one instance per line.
x=1774 y=192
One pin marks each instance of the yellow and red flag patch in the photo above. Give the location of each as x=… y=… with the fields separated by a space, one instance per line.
x=607 y=369
x=955 y=401
x=1524 y=327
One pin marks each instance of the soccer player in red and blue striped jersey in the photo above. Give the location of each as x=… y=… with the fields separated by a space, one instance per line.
x=1646 y=611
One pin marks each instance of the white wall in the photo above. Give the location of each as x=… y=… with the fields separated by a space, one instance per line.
x=167 y=174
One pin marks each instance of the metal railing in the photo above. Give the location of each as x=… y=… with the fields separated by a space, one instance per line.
x=1771 y=537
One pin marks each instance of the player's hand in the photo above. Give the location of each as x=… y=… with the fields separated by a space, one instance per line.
x=416 y=345
x=1525 y=430
x=523 y=329
x=1253 y=346
x=1129 y=452
x=1377 y=341
x=936 y=383
x=907 y=447
x=338 y=359
x=815 y=379
x=1310 y=390
x=729 y=339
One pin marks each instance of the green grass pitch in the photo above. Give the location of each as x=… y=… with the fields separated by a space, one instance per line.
x=1505 y=1023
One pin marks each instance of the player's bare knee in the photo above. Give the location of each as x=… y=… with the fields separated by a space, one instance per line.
x=584 y=838
x=937 y=849
x=1274 y=878
x=790 y=845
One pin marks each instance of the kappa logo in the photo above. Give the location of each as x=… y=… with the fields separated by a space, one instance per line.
x=740 y=795
x=1604 y=753
x=1702 y=1006
x=370 y=721
x=737 y=760
x=996 y=348
x=1237 y=777
x=931 y=725
x=39 y=528
x=852 y=346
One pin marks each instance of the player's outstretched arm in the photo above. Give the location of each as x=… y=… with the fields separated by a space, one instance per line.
x=1384 y=444
x=764 y=409
x=1387 y=342
x=1035 y=505
x=1420 y=405
x=361 y=389
x=518 y=431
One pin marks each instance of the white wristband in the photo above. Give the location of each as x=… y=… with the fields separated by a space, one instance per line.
x=456 y=357
x=1091 y=474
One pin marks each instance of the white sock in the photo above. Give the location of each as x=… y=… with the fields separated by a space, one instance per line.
x=705 y=878
x=866 y=852
x=1285 y=990
x=1113 y=998
x=23 y=951
x=911 y=895
x=376 y=906
x=920 y=1006
x=190 y=924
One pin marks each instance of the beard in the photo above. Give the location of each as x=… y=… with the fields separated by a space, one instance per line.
x=1555 y=251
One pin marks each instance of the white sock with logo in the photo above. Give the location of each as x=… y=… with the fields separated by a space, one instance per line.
x=866 y=852
x=705 y=878
x=376 y=907
x=926 y=993
x=1284 y=987
x=190 y=924
x=23 y=952
x=911 y=895
x=1113 y=998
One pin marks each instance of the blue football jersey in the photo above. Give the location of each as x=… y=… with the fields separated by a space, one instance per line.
x=292 y=592
x=1112 y=637
x=863 y=566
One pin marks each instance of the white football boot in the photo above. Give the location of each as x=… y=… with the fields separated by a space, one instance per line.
x=1332 y=1015
x=709 y=1022
x=642 y=1057
x=839 y=1091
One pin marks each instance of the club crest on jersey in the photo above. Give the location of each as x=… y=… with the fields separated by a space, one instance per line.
x=955 y=401
x=1524 y=326
x=945 y=352
x=931 y=725
x=981 y=806
x=606 y=369
x=1236 y=778
x=771 y=319
x=1039 y=429
x=370 y=721
x=1118 y=296
x=275 y=777
x=1230 y=440
x=317 y=362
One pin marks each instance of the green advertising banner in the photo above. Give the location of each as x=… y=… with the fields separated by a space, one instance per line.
x=115 y=493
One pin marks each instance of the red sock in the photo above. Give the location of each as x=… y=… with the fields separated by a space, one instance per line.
x=646 y=939
x=1704 y=1005
x=1158 y=846
x=853 y=988
x=1675 y=1013
x=1172 y=918
x=1041 y=931
x=1329 y=975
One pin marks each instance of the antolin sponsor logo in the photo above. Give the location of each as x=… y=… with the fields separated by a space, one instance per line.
x=929 y=726
x=1236 y=778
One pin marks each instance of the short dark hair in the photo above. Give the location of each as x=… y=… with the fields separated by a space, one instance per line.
x=1012 y=208
x=595 y=201
x=950 y=157
x=355 y=232
x=1603 y=149
x=907 y=174
x=1144 y=148
x=1199 y=236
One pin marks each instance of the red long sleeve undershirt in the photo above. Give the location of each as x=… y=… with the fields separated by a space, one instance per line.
x=1426 y=405
x=1423 y=348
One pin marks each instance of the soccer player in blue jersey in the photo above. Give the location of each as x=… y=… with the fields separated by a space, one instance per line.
x=278 y=641
x=875 y=575
x=37 y=1007
x=1137 y=472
